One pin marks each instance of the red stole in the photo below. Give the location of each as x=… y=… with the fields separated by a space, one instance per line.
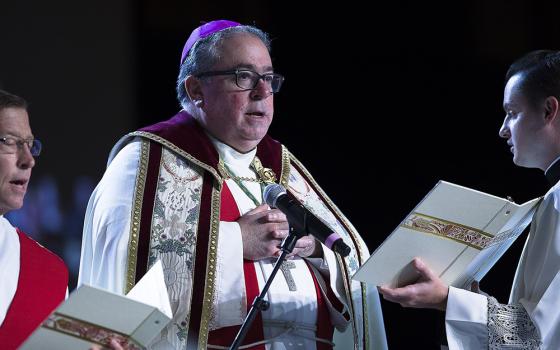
x=225 y=336
x=42 y=283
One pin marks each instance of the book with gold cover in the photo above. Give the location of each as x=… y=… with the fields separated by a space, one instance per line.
x=93 y=316
x=459 y=232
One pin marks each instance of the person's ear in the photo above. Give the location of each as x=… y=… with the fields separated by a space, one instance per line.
x=193 y=87
x=551 y=109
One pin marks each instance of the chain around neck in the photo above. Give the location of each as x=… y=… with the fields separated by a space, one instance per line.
x=264 y=175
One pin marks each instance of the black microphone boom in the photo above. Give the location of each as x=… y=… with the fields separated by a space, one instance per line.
x=302 y=220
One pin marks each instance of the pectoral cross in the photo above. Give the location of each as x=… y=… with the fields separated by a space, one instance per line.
x=285 y=268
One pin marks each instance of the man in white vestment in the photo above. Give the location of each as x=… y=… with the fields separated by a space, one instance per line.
x=531 y=318
x=188 y=192
x=33 y=280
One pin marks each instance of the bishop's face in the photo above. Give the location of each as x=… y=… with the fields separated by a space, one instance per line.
x=236 y=117
x=523 y=126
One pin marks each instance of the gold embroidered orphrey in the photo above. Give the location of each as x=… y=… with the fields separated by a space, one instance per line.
x=355 y=292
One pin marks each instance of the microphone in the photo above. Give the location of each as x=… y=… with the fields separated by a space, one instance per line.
x=302 y=220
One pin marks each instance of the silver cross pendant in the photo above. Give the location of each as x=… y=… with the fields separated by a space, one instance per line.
x=285 y=268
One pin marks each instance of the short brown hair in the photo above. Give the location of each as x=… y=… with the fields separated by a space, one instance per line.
x=8 y=100
x=540 y=72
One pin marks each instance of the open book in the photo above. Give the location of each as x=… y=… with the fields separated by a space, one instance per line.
x=94 y=316
x=459 y=232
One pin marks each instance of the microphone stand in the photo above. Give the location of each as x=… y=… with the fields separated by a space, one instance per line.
x=259 y=304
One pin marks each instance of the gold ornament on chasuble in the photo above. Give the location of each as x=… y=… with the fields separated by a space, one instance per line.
x=264 y=175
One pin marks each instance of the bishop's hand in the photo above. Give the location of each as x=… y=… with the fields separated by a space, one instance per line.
x=262 y=232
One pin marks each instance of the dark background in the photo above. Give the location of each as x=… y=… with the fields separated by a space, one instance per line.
x=380 y=102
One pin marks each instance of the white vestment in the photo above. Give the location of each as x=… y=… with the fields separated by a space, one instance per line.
x=9 y=265
x=105 y=248
x=531 y=319
x=295 y=307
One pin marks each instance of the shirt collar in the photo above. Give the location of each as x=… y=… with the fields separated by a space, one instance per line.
x=552 y=173
x=231 y=156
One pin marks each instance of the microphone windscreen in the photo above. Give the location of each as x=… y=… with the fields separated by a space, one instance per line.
x=271 y=193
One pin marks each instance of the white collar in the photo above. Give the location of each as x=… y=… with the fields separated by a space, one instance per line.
x=551 y=164
x=231 y=156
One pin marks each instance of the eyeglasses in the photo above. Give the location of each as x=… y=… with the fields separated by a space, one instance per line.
x=247 y=79
x=11 y=144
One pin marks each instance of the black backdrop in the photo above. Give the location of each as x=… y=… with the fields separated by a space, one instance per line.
x=380 y=101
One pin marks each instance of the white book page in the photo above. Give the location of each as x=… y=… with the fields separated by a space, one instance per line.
x=151 y=290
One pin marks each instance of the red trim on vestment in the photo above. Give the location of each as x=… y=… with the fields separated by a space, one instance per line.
x=228 y=208
x=338 y=306
x=324 y=329
x=42 y=284
x=225 y=336
x=185 y=132
x=148 y=200
x=200 y=269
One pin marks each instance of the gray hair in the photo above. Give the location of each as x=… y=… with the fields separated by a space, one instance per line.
x=204 y=54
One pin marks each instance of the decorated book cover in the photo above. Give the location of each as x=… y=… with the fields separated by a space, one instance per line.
x=459 y=232
x=93 y=316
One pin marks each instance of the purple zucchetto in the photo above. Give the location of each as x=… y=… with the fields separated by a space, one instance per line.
x=203 y=31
